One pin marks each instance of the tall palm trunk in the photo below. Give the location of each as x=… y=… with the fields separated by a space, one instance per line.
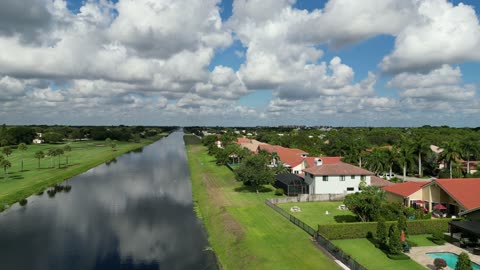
x=451 y=175
x=404 y=170
x=420 y=171
x=390 y=170
x=468 y=164
x=360 y=162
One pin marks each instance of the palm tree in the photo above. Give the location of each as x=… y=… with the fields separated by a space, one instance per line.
x=389 y=157
x=404 y=152
x=59 y=152
x=421 y=148
x=469 y=148
x=52 y=153
x=5 y=164
x=376 y=161
x=7 y=151
x=22 y=147
x=67 y=148
x=39 y=155
x=451 y=153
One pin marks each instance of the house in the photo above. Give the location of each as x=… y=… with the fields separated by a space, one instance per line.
x=250 y=144
x=380 y=182
x=292 y=158
x=336 y=178
x=458 y=196
x=38 y=139
x=219 y=144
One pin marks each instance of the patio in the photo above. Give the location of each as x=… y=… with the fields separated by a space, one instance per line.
x=468 y=234
x=419 y=254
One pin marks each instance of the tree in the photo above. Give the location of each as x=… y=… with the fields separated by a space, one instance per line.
x=402 y=224
x=5 y=164
x=108 y=141
x=463 y=262
x=365 y=204
x=376 y=160
x=53 y=137
x=421 y=148
x=7 y=151
x=66 y=149
x=39 y=155
x=22 y=148
x=59 y=152
x=394 y=244
x=469 y=148
x=52 y=153
x=404 y=152
x=382 y=236
x=113 y=144
x=450 y=153
x=254 y=171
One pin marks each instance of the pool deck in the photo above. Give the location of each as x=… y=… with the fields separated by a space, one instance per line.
x=419 y=254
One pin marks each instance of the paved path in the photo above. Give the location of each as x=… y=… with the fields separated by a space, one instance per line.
x=419 y=254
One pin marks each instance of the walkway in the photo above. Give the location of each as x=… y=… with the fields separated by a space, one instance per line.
x=419 y=254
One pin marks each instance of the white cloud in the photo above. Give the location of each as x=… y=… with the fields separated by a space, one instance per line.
x=440 y=34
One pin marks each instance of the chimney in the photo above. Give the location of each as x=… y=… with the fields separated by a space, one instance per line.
x=318 y=162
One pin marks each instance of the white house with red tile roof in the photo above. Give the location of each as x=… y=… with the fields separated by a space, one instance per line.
x=336 y=178
x=457 y=195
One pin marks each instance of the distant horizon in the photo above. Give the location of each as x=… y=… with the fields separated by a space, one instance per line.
x=240 y=63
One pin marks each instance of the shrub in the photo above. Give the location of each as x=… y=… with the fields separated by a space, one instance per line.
x=394 y=244
x=464 y=262
x=361 y=229
x=439 y=263
x=438 y=237
x=279 y=192
x=382 y=233
x=23 y=202
x=402 y=224
x=398 y=257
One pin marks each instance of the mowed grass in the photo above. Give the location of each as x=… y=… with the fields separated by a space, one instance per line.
x=422 y=240
x=365 y=252
x=243 y=231
x=314 y=213
x=19 y=184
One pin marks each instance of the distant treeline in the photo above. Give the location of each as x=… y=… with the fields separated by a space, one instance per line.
x=14 y=135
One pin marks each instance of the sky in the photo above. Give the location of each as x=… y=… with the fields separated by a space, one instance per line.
x=240 y=62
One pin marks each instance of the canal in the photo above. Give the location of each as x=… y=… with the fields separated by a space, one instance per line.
x=135 y=212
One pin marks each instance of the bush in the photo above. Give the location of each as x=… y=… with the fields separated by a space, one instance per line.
x=463 y=262
x=439 y=263
x=279 y=192
x=394 y=244
x=23 y=202
x=361 y=229
x=438 y=237
x=398 y=257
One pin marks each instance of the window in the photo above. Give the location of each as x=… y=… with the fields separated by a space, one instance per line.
x=342 y=178
x=295 y=172
x=350 y=189
x=352 y=177
x=325 y=179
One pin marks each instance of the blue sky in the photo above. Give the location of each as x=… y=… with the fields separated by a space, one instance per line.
x=270 y=62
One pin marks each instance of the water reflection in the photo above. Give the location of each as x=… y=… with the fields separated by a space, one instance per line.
x=134 y=214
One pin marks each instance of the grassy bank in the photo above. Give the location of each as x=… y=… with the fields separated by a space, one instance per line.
x=243 y=231
x=20 y=184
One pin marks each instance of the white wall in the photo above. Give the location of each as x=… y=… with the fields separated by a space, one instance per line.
x=334 y=185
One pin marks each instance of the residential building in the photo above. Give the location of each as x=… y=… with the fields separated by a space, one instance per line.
x=336 y=178
x=458 y=196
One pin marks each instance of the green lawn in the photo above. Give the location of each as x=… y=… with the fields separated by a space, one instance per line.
x=243 y=231
x=364 y=252
x=84 y=155
x=313 y=213
x=422 y=240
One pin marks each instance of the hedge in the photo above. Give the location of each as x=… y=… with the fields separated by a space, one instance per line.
x=362 y=229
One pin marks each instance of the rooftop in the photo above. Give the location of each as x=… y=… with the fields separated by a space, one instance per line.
x=405 y=189
x=339 y=168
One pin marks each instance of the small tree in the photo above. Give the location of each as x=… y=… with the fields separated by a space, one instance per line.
x=52 y=153
x=402 y=224
x=463 y=262
x=382 y=236
x=108 y=141
x=67 y=149
x=365 y=204
x=439 y=263
x=7 y=151
x=394 y=245
x=5 y=164
x=59 y=152
x=254 y=171
x=113 y=144
x=39 y=155
x=22 y=148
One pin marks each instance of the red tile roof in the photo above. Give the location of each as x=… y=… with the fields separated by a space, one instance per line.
x=465 y=191
x=289 y=156
x=325 y=160
x=405 y=189
x=243 y=140
x=380 y=182
x=339 y=168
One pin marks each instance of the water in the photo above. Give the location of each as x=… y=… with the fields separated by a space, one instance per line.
x=134 y=213
x=450 y=258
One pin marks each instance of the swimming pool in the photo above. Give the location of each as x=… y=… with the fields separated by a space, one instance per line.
x=450 y=258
